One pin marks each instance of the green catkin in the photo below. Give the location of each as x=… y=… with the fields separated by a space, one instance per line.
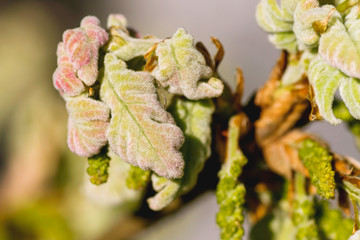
x=230 y=192
x=304 y=212
x=98 y=168
x=137 y=178
x=317 y=160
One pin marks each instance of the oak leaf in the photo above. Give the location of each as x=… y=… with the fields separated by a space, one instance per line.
x=88 y=121
x=182 y=68
x=141 y=132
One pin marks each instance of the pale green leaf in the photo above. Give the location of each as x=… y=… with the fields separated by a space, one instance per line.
x=124 y=46
x=278 y=21
x=194 y=118
x=182 y=68
x=116 y=21
x=141 y=132
x=306 y=14
x=288 y=7
x=350 y=93
x=325 y=80
x=296 y=68
x=272 y=18
x=88 y=121
x=285 y=41
x=339 y=46
x=167 y=190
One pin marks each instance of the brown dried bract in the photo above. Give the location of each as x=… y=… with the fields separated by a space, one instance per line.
x=220 y=52
x=151 y=58
x=282 y=155
x=239 y=89
x=282 y=108
x=264 y=95
x=203 y=50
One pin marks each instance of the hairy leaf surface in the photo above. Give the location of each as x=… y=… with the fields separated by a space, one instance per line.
x=339 y=46
x=194 y=118
x=306 y=14
x=78 y=56
x=182 y=68
x=122 y=45
x=325 y=80
x=141 y=132
x=88 y=121
x=279 y=22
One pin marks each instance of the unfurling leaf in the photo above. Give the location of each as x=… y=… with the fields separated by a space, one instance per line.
x=182 y=68
x=122 y=45
x=137 y=178
x=309 y=20
x=78 y=57
x=116 y=21
x=325 y=80
x=278 y=21
x=317 y=160
x=339 y=46
x=98 y=168
x=230 y=193
x=194 y=118
x=88 y=121
x=141 y=132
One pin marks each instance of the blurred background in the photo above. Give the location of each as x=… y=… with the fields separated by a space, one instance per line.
x=42 y=189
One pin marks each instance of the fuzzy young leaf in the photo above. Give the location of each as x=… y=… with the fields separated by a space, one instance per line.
x=279 y=22
x=318 y=161
x=64 y=78
x=124 y=46
x=230 y=193
x=194 y=118
x=98 y=168
x=88 y=121
x=285 y=41
x=325 y=80
x=181 y=67
x=78 y=57
x=339 y=46
x=306 y=16
x=141 y=132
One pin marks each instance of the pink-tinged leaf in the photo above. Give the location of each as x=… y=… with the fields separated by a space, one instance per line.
x=77 y=47
x=78 y=56
x=91 y=25
x=88 y=121
x=66 y=81
x=141 y=132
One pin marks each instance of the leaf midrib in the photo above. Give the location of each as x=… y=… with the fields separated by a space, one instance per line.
x=133 y=117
